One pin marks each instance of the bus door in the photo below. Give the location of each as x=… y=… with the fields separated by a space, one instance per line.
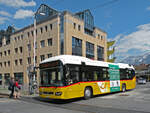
x=114 y=75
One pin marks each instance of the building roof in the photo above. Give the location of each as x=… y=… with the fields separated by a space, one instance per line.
x=142 y=67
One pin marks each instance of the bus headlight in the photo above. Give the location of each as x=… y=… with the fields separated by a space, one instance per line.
x=58 y=93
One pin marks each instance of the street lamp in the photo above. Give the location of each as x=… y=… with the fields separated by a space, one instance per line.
x=34 y=51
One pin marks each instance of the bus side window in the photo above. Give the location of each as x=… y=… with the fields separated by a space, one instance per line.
x=100 y=75
x=84 y=78
x=127 y=74
x=105 y=74
x=95 y=76
x=131 y=74
x=72 y=74
x=123 y=75
x=75 y=76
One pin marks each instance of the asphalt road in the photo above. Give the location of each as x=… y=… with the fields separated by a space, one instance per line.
x=134 y=101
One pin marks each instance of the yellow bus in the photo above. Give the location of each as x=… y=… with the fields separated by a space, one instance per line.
x=67 y=77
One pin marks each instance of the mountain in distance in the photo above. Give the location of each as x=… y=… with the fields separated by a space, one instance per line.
x=136 y=60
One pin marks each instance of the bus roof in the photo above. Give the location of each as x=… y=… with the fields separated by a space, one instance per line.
x=72 y=59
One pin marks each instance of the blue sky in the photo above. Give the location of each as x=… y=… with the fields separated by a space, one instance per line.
x=126 y=21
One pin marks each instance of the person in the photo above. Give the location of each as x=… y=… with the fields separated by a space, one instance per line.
x=17 y=89
x=11 y=87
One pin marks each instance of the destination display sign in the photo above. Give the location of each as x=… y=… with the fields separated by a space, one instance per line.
x=49 y=64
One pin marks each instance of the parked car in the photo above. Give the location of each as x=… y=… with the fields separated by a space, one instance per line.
x=141 y=81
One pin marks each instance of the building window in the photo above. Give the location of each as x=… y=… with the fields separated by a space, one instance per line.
x=102 y=37
x=16 y=62
x=89 y=50
x=49 y=55
x=42 y=43
x=36 y=31
x=20 y=49
x=1 y=64
x=6 y=77
x=8 y=63
x=41 y=30
x=76 y=46
x=5 y=53
x=32 y=33
x=16 y=50
x=0 y=79
x=5 y=64
x=22 y=37
x=46 y=28
x=51 y=26
x=28 y=34
x=74 y=25
x=42 y=57
x=8 y=52
x=35 y=59
x=79 y=27
x=18 y=37
x=35 y=45
x=20 y=60
x=15 y=39
x=1 y=54
x=98 y=35
x=50 y=42
x=29 y=60
x=29 y=47
x=100 y=53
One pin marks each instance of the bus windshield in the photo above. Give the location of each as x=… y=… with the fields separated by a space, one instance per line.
x=52 y=77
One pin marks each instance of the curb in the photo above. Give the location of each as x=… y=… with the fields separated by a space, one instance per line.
x=4 y=94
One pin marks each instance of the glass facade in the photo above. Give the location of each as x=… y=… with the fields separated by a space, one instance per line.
x=44 y=12
x=76 y=46
x=100 y=53
x=89 y=50
x=88 y=21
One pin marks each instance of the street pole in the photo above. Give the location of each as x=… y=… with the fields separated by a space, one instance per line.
x=34 y=83
x=34 y=51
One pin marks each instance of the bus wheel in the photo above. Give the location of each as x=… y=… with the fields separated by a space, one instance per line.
x=123 y=87
x=87 y=93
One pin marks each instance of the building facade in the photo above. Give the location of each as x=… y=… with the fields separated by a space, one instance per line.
x=110 y=51
x=57 y=33
x=143 y=70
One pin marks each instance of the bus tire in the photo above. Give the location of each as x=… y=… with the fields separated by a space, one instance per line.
x=87 y=93
x=123 y=87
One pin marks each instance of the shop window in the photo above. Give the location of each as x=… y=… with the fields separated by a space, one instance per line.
x=19 y=77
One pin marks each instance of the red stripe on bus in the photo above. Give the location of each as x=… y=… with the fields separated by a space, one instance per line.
x=77 y=83
x=71 y=84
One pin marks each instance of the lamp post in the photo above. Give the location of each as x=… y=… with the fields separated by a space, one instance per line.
x=34 y=48
x=34 y=51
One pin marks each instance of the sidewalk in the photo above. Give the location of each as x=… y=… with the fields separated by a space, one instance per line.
x=6 y=92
